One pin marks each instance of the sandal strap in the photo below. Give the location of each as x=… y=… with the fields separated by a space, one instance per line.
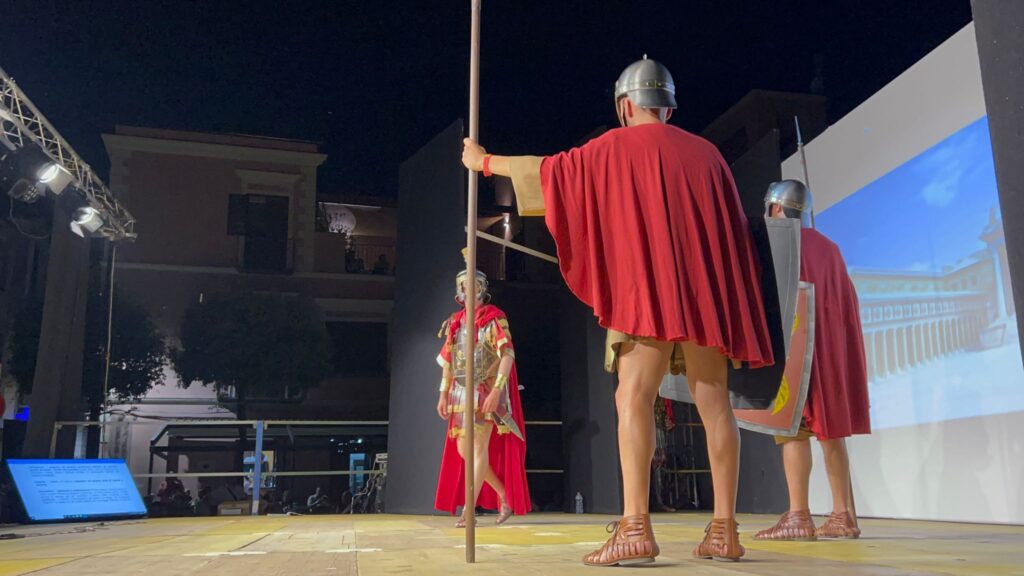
x=721 y=540
x=632 y=538
x=794 y=525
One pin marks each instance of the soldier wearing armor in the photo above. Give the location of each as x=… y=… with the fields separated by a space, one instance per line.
x=651 y=235
x=499 y=440
x=837 y=398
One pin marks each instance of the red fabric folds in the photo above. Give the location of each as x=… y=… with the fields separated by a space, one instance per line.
x=652 y=236
x=837 y=400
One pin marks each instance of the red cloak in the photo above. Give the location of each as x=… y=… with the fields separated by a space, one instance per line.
x=837 y=400
x=507 y=451
x=652 y=236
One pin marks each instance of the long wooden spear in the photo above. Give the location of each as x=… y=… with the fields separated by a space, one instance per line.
x=469 y=324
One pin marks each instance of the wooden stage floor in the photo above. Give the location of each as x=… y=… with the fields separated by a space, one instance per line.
x=535 y=545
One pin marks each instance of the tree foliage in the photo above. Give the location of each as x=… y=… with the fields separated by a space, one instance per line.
x=138 y=352
x=262 y=345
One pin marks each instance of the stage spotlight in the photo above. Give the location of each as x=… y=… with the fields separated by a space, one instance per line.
x=25 y=171
x=86 y=221
x=55 y=177
x=24 y=191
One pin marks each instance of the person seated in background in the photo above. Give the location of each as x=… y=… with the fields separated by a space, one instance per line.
x=353 y=263
x=203 y=506
x=315 y=499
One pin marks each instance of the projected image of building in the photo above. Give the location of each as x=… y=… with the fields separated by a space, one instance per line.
x=911 y=318
x=925 y=248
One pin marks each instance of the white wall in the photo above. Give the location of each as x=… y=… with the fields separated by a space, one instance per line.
x=149 y=419
x=930 y=101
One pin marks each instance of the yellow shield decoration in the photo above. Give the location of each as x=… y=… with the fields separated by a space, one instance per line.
x=783 y=417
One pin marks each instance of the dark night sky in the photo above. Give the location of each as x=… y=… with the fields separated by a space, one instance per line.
x=373 y=80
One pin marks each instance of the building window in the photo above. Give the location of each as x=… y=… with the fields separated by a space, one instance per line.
x=262 y=221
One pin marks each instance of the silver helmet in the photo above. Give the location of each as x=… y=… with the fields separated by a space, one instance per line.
x=648 y=84
x=460 y=283
x=795 y=199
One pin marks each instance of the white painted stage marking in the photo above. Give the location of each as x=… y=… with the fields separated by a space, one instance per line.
x=350 y=550
x=239 y=553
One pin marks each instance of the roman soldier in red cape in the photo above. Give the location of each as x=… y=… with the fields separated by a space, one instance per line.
x=499 y=437
x=837 y=398
x=651 y=235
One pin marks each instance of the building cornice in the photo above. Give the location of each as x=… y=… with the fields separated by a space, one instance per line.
x=122 y=143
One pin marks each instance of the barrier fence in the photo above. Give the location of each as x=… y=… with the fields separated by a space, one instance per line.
x=260 y=429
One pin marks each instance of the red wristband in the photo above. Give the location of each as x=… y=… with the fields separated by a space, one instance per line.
x=487 y=166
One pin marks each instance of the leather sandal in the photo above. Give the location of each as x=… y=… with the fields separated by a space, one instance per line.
x=503 y=515
x=839 y=525
x=721 y=541
x=632 y=542
x=792 y=526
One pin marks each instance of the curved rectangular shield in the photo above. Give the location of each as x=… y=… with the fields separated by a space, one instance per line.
x=783 y=417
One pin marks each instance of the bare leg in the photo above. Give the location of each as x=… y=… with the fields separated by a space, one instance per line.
x=796 y=457
x=853 y=503
x=707 y=373
x=481 y=465
x=842 y=523
x=641 y=368
x=494 y=482
x=837 y=464
x=462 y=445
x=483 y=469
x=796 y=524
x=463 y=442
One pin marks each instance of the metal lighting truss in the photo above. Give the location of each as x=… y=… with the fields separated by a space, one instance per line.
x=21 y=123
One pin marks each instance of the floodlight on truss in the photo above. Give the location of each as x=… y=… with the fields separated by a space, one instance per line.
x=22 y=125
x=25 y=173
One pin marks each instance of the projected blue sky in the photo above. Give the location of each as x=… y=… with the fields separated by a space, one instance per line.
x=924 y=215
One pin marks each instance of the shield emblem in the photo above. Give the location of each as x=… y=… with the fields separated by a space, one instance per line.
x=783 y=417
x=777 y=241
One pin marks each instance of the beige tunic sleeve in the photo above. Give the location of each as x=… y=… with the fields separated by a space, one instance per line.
x=526 y=182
